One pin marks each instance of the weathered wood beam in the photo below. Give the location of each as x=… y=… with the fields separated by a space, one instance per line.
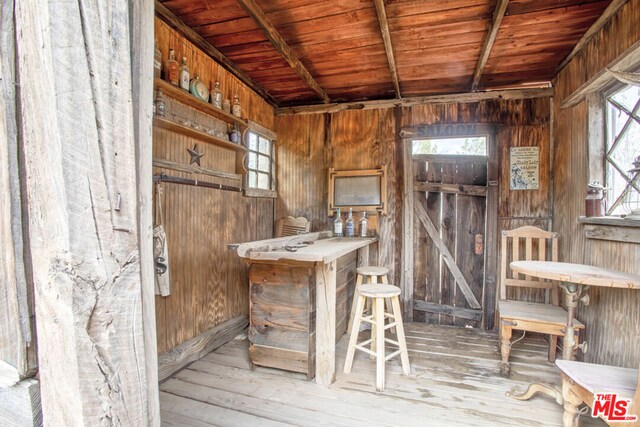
x=388 y=46
x=464 y=313
x=489 y=39
x=608 y=13
x=201 y=43
x=281 y=46
x=418 y=100
x=466 y=190
x=195 y=348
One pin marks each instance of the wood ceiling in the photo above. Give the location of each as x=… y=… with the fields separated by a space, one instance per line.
x=314 y=51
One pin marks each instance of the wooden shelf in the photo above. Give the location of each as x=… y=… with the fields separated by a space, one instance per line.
x=611 y=228
x=193 y=133
x=187 y=98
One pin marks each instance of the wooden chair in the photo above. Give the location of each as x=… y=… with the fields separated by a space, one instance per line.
x=291 y=226
x=545 y=318
x=581 y=381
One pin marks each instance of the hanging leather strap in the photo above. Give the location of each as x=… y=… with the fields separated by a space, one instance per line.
x=158 y=218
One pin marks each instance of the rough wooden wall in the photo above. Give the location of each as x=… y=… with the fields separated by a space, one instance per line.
x=310 y=144
x=613 y=317
x=209 y=283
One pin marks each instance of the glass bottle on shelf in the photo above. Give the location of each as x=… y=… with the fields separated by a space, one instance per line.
x=364 y=225
x=171 y=69
x=234 y=135
x=216 y=95
x=226 y=106
x=159 y=103
x=157 y=61
x=337 y=225
x=237 y=108
x=184 y=74
x=350 y=229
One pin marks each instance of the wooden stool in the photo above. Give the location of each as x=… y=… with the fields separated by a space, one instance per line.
x=369 y=274
x=378 y=295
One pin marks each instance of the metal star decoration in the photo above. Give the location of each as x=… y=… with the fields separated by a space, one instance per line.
x=195 y=155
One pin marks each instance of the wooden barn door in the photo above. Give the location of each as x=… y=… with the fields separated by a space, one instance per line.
x=448 y=234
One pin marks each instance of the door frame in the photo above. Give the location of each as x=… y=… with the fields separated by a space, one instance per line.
x=408 y=134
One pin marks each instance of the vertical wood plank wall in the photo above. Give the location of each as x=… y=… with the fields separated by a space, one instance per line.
x=208 y=282
x=310 y=144
x=613 y=317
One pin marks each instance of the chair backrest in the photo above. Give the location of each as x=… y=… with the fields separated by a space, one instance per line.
x=527 y=243
x=291 y=226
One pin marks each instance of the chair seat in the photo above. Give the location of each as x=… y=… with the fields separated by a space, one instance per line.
x=601 y=378
x=535 y=312
x=372 y=271
x=378 y=291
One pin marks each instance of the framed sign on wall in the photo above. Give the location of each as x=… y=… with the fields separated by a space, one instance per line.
x=364 y=190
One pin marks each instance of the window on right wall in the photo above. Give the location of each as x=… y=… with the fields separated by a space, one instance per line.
x=622 y=145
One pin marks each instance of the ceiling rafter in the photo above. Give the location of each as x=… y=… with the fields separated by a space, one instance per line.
x=178 y=24
x=608 y=13
x=281 y=46
x=490 y=38
x=388 y=46
x=464 y=97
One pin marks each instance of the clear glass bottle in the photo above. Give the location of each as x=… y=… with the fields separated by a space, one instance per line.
x=157 y=61
x=237 y=108
x=184 y=74
x=226 y=106
x=364 y=225
x=337 y=225
x=159 y=103
x=216 y=95
x=171 y=69
x=350 y=229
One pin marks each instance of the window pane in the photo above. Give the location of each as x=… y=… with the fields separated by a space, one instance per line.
x=253 y=179
x=265 y=146
x=617 y=120
x=253 y=141
x=627 y=97
x=263 y=181
x=253 y=161
x=476 y=146
x=264 y=164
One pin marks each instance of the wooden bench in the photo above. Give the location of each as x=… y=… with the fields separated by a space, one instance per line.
x=581 y=381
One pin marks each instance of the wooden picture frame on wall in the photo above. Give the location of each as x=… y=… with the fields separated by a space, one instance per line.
x=364 y=190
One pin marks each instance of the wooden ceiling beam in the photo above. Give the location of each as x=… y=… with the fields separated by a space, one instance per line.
x=504 y=94
x=388 y=46
x=608 y=13
x=281 y=46
x=190 y=34
x=490 y=38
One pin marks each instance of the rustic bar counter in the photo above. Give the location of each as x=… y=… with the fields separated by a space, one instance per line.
x=300 y=293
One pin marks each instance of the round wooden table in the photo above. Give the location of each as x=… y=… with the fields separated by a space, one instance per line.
x=575 y=281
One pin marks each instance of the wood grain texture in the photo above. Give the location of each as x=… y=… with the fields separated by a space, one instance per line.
x=209 y=282
x=17 y=343
x=193 y=349
x=86 y=270
x=611 y=310
x=487 y=44
x=20 y=404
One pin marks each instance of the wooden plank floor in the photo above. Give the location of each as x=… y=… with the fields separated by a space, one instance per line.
x=455 y=381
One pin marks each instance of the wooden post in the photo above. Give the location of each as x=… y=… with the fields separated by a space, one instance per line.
x=77 y=125
x=406 y=281
x=325 y=322
x=491 y=241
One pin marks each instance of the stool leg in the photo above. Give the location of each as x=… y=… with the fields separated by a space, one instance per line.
x=353 y=304
x=402 y=342
x=353 y=338
x=387 y=301
x=379 y=308
x=374 y=325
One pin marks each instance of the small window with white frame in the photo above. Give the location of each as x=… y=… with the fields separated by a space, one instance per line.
x=622 y=145
x=260 y=162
